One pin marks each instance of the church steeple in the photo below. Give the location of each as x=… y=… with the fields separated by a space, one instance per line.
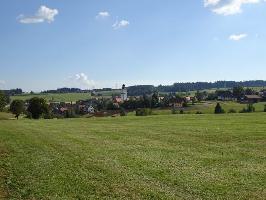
x=124 y=93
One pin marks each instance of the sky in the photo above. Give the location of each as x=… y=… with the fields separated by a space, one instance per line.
x=48 y=44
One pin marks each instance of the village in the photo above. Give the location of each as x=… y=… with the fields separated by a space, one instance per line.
x=100 y=106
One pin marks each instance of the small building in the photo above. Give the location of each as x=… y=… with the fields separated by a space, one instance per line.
x=252 y=98
x=188 y=99
x=91 y=110
x=225 y=95
x=160 y=99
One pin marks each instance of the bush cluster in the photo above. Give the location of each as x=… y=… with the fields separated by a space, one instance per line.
x=249 y=109
x=232 y=111
x=143 y=112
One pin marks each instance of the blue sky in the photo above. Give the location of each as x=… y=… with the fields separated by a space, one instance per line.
x=101 y=43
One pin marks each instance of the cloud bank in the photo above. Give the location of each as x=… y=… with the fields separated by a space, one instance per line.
x=81 y=80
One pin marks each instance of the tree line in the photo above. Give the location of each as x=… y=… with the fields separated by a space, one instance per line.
x=139 y=90
x=192 y=86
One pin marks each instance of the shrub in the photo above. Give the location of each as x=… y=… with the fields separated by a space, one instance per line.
x=58 y=116
x=143 y=112
x=70 y=114
x=48 y=115
x=199 y=113
x=232 y=110
x=123 y=112
x=250 y=108
x=185 y=104
x=181 y=111
x=219 y=109
x=174 y=111
x=264 y=108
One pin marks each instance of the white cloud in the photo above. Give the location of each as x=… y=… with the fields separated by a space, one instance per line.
x=81 y=80
x=44 y=14
x=211 y=2
x=102 y=15
x=237 y=37
x=228 y=7
x=120 y=24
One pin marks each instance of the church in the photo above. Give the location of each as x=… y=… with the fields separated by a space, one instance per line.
x=124 y=93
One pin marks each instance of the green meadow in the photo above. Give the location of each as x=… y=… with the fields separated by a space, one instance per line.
x=63 y=97
x=156 y=157
x=208 y=108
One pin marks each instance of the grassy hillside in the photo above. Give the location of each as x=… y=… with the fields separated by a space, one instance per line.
x=66 y=97
x=155 y=157
x=5 y=116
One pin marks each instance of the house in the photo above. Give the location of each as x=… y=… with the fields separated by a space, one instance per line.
x=160 y=99
x=176 y=102
x=225 y=95
x=63 y=110
x=188 y=99
x=252 y=99
x=117 y=100
x=91 y=109
x=226 y=98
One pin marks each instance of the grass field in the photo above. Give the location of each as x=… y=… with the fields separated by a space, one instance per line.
x=209 y=106
x=5 y=116
x=64 y=97
x=155 y=157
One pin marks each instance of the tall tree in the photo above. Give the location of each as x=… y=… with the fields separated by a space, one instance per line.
x=155 y=100
x=17 y=107
x=37 y=107
x=238 y=92
x=4 y=100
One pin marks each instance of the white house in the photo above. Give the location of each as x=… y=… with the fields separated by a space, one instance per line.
x=91 y=109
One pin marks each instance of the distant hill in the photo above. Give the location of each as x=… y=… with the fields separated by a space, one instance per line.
x=148 y=89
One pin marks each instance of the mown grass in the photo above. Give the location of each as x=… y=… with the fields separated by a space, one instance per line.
x=155 y=157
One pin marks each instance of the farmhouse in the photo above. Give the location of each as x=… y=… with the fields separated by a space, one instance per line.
x=226 y=95
x=176 y=102
x=252 y=99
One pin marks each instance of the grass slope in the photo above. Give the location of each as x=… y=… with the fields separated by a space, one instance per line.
x=155 y=157
x=6 y=116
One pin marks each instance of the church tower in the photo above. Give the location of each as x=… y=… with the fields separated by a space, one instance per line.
x=124 y=93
